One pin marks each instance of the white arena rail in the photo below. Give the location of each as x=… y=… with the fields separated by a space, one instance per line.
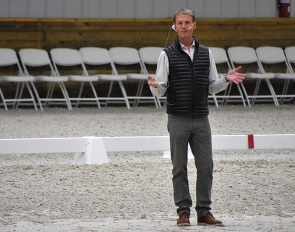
x=93 y=150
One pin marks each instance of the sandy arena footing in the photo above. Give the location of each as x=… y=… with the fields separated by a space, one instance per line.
x=253 y=190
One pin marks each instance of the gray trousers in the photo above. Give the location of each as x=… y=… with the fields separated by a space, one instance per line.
x=195 y=131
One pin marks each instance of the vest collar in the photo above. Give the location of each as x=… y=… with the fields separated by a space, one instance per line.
x=179 y=45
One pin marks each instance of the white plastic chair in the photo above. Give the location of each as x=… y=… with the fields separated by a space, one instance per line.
x=269 y=57
x=32 y=58
x=95 y=56
x=149 y=57
x=68 y=58
x=221 y=58
x=8 y=59
x=127 y=58
x=246 y=56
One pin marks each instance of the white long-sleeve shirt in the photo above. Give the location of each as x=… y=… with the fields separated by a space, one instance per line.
x=216 y=84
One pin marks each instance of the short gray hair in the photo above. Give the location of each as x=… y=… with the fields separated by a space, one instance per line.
x=186 y=12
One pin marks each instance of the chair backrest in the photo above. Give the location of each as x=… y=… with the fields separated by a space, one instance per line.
x=124 y=55
x=219 y=55
x=273 y=59
x=65 y=56
x=290 y=54
x=34 y=57
x=149 y=58
x=241 y=55
x=95 y=55
x=221 y=60
x=270 y=55
x=150 y=55
x=8 y=57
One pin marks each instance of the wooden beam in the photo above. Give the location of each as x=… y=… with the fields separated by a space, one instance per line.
x=17 y=33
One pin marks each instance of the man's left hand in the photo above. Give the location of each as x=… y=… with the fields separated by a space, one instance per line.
x=234 y=75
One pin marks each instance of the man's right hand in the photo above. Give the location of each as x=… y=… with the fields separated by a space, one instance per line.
x=152 y=82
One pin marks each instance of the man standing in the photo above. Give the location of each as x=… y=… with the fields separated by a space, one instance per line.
x=186 y=72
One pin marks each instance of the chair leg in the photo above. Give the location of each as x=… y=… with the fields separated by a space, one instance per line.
x=284 y=92
x=227 y=93
x=37 y=95
x=124 y=94
x=138 y=93
x=245 y=94
x=95 y=95
x=3 y=100
x=257 y=86
x=66 y=95
x=276 y=102
x=32 y=96
x=49 y=93
x=18 y=94
x=242 y=97
x=110 y=91
x=80 y=93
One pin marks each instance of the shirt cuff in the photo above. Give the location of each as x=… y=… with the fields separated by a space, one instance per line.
x=225 y=80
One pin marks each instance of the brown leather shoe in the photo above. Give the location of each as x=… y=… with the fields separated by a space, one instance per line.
x=209 y=220
x=183 y=220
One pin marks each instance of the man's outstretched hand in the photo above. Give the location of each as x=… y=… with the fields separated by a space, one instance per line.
x=234 y=75
x=152 y=82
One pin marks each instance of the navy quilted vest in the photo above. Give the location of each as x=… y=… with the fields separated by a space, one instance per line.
x=188 y=82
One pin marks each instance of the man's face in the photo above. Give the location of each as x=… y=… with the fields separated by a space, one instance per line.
x=184 y=26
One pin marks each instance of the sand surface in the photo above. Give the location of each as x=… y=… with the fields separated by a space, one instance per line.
x=253 y=190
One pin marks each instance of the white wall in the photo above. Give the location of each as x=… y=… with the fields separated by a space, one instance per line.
x=139 y=8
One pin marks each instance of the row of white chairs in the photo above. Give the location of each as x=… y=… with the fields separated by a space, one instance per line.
x=265 y=63
x=60 y=60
